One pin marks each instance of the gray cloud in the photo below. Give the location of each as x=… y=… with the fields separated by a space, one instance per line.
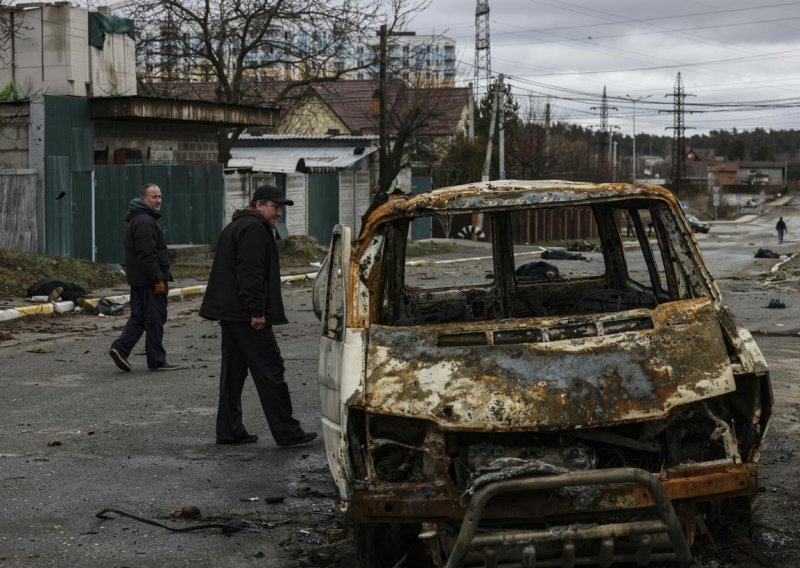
x=730 y=54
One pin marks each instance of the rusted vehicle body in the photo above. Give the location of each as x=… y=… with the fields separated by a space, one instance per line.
x=599 y=409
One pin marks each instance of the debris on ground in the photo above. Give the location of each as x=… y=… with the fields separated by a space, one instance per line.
x=557 y=254
x=766 y=253
x=585 y=246
x=186 y=512
x=299 y=489
x=538 y=270
x=776 y=304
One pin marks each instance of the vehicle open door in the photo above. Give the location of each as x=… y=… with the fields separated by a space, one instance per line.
x=330 y=290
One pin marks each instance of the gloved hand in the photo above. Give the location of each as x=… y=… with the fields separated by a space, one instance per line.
x=159 y=288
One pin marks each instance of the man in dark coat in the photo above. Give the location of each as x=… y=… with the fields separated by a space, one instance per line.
x=147 y=270
x=244 y=294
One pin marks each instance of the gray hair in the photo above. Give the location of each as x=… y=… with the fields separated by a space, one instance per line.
x=144 y=188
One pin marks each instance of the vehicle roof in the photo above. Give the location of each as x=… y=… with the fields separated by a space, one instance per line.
x=502 y=194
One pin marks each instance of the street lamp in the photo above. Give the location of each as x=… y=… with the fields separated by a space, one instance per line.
x=634 y=101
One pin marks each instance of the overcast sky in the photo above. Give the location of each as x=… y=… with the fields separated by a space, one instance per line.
x=739 y=60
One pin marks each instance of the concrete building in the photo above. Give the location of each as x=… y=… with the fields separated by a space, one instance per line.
x=421 y=60
x=61 y=49
x=74 y=150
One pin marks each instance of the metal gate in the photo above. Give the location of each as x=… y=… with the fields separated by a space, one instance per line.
x=323 y=206
x=68 y=167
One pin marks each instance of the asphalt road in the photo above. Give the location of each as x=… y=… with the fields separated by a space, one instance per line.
x=77 y=435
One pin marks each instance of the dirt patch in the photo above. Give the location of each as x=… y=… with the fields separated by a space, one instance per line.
x=19 y=270
x=301 y=250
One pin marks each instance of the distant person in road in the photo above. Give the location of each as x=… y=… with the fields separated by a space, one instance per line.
x=148 y=271
x=781 y=228
x=244 y=294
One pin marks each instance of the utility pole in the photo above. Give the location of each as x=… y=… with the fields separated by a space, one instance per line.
x=605 y=133
x=386 y=178
x=501 y=125
x=471 y=115
x=634 y=101
x=383 y=151
x=487 y=162
x=678 y=137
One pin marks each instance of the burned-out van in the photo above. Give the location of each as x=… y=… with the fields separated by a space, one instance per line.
x=544 y=408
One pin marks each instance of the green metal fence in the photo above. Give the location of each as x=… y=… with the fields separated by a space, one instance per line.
x=85 y=204
x=192 y=211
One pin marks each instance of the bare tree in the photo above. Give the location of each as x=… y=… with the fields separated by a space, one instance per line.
x=420 y=126
x=239 y=45
x=10 y=24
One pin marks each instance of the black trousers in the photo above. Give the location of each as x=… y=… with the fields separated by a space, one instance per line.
x=243 y=349
x=148 y=315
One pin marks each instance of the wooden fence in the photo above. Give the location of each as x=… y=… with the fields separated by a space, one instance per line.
x=18 y=228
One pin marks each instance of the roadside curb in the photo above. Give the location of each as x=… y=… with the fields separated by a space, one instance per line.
x=45 y=308
x=780 y=264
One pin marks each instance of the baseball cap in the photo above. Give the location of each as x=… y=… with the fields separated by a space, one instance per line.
x=270 y=193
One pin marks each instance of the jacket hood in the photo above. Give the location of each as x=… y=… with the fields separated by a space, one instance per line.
x=248 y=213
x=137 y=206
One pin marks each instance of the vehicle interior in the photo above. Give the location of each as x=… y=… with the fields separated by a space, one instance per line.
x=628 y=254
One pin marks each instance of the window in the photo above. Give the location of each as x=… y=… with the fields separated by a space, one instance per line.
x=555 y=261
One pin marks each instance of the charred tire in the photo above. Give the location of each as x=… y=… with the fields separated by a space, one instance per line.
x=385 y=545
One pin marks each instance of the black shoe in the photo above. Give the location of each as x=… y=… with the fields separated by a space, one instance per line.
x=299 y=437
x=166 y=367
x=121 y=361
x=245 y=438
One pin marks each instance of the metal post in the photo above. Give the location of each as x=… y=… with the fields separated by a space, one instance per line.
x=501 y=140
x=634 y=101
x=382 y=138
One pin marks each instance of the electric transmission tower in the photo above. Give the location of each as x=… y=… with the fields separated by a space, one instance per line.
x=678 y=136
x=483 y=55
x=604 y=151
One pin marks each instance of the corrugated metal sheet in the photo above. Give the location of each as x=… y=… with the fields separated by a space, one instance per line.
x=192 y=212
x=316 y=159
x=68 y=151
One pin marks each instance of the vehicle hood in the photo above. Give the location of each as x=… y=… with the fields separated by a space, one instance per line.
x=548 y=374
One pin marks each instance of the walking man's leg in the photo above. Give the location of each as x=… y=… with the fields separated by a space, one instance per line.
x=265 y=362
x=233 y=372
x=155 y=316
x=134 y=328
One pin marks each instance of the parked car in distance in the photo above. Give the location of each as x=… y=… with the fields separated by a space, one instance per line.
x=697 y=225
x=525 y=412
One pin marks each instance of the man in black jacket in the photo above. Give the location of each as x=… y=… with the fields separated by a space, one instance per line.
x=244 y=294
x=147 y=270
